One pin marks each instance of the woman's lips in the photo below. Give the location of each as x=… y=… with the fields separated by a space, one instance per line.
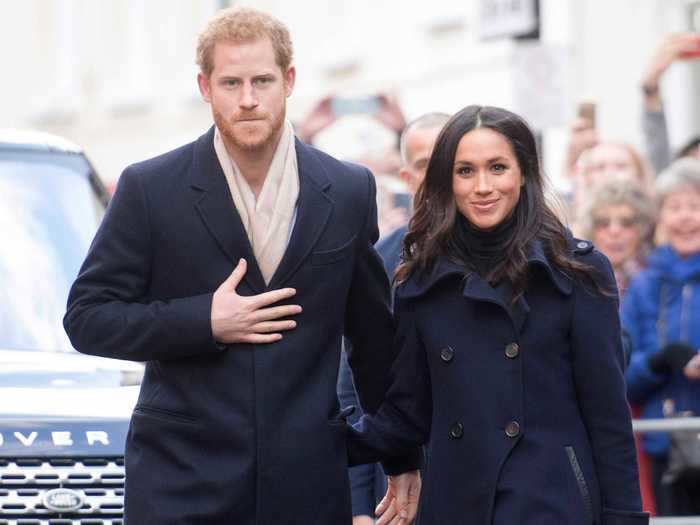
x=485 y=205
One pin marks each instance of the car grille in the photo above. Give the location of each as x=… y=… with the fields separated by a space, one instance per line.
x=25 y=481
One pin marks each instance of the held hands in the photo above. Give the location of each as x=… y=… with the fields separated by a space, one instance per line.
x=400 y=504
x=239 y=319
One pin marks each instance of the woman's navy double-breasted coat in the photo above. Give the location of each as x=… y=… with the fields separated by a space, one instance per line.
x=522 y=406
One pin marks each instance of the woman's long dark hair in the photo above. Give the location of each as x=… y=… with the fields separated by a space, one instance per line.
x=433 y=231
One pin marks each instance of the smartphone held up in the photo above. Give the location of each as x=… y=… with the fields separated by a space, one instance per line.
x=355 y=106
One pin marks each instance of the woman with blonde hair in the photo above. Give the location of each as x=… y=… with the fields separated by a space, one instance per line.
x=619 y=218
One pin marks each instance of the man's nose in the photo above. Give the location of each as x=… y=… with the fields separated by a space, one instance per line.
x=248 y=98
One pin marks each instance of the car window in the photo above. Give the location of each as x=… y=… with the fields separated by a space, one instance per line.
x=48 y=215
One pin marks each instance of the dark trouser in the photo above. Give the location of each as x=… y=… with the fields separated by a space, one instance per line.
x=681 y=498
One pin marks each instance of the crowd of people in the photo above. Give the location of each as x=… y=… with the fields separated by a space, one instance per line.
x=641 y=209
x=494 y=387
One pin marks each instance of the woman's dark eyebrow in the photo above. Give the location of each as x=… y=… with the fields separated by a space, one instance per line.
x=490 y=161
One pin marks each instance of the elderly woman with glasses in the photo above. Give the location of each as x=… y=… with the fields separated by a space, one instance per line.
x=619 y=218
x=660 y=312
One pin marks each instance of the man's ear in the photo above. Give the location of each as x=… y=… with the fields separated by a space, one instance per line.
x=289 y=79
x=204 y=86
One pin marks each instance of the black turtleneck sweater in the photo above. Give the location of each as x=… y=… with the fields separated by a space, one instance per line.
x=483 y=250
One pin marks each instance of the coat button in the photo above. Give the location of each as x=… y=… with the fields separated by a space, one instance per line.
x=512 y=350
x=457 y=431
x=513 y=429
x=446 y=354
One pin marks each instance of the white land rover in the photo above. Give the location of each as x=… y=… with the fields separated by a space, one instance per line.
x=63 y=415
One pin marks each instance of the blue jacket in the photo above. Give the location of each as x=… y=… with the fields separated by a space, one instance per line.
x=522 y=405
x=675 y=282
x=390 y=248
x=241 y=433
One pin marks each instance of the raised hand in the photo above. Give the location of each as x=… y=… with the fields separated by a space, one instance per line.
x=675 y=46
x=250 y=319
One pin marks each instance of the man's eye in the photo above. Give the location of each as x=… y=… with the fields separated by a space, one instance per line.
x=264 y=80
x=230 y=82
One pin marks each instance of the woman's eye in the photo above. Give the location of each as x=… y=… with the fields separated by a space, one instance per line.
x=499 y=168
x=464 y=171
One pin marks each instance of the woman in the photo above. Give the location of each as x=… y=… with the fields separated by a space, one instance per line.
x=608 y=161
x=619 y=219
x=591 y=163
x=510 y=364
x=660 y=313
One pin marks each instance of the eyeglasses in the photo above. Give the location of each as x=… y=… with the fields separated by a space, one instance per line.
x=623 y=222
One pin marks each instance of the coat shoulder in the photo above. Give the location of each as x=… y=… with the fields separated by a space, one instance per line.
x=163 y=165
x=342 y=174
x=585 y=251
x=581 y=246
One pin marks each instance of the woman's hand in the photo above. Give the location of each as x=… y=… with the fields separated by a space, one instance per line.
x=362 y=520
x=400 y=504
x=692 y=369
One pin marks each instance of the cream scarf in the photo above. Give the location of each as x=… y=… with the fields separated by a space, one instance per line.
x=268 y=221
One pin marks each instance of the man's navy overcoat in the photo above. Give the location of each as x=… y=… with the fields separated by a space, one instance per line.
x=246 y=434
x=522 y=405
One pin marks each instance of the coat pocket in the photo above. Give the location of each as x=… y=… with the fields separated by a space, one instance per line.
x=334 y=255
x=164 y=414
x=580 y=483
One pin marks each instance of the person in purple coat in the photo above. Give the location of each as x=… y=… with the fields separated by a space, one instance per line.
x=510 y=362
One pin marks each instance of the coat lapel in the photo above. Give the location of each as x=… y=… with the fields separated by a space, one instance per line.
x=478 y=289
x=215 y=205
x=475 y=288
x=313 y=210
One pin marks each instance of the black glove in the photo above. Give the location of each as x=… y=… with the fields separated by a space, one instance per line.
x=671 y=358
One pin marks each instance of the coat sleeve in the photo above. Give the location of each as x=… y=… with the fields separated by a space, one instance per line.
x=369 y=325
x=109 y=313
x=598 y=375
x=362 y=477
x=642 y=382
x=370 y=328
x=402 y=423
x=655 y=132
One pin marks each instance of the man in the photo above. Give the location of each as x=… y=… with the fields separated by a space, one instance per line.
x=367 y=482
x=238 y=419
x=416 y=145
